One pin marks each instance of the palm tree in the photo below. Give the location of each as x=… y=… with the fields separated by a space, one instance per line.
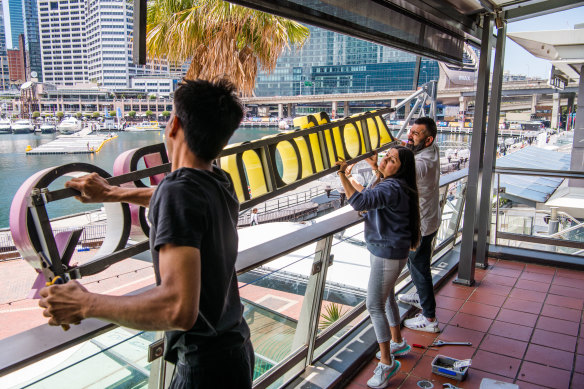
x=220 y=38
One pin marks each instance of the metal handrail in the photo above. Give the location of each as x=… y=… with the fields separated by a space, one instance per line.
x=43 y=341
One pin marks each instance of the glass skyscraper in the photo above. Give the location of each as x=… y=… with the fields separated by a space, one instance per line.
x=4 y=73
x=13 y=22
x=334 y=63
x=32 y=39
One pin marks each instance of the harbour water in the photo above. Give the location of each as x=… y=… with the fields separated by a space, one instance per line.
x=16 y=166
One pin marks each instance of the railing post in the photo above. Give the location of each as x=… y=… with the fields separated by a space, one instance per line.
x=307 y=327
x=485 y=211
x=469 y=235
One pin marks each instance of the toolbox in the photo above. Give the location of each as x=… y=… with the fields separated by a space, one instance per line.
x=444 y=366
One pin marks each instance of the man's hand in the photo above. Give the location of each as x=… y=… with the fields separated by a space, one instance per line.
x=92 y=188
x=63 y=304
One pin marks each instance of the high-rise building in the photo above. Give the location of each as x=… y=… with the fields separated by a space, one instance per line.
x=63 y=41
x=334 y=63
x=32 y=39
x=17 y=63
x=4 y=72
x=13 y=22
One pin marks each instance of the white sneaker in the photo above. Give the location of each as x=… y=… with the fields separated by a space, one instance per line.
x=382 y=374
x=411 y=299
x=420 y=323
x=397 y=349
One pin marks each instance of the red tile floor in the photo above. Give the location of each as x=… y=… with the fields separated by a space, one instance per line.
x=524 y=322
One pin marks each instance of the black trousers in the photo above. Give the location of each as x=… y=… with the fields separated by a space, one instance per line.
x=419 y=265
x=231 y=369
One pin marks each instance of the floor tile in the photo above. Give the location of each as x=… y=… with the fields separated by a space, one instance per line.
x=419 y=337
x=459 y=292
x=550 y=356
x=482 y=310
x=558 y=325
x=458 y=334
x=505 y=346
x=451 y=303
x=579 y=366
x=564 y=281
x=561 y=313
x=411 y=382
x=566 y=302
x=490 y=287
x=471 y=322
x=532 y=285
x=516 y=317
x=576 y=274
x=544 y=375
x=577 y=381
x=366 y=372
x=533 y=268
x=409 y=361
x=474 y=378
x=517 y=304
x=580 y=346
x=528 y=295
x=538 y=277
x=480 y=274
x=512 y=331
x=480 y=296
x=496 y=364
x=554 y=340
x=509 y=264
x=500 y=280
x=568 y=291
x=505 y=271
x=424 y=370
x=444 y=315
x=353 y=385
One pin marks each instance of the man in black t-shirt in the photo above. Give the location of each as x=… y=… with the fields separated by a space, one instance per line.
x=193 y=239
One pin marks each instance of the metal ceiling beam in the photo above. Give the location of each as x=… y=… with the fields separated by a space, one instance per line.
x=539 y=9
x=304 y=14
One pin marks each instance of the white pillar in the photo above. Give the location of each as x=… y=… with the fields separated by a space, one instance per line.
x=346 y=109
x=555 y=111
x=280 y=111
x=334 y=110
x=534 y=104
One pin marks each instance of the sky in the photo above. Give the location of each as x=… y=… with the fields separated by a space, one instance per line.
x=518 y=60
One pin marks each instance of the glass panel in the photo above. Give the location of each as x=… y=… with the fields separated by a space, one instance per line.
x=451 y=211
x=116 y=359
x=346 y=282
x=273 y=295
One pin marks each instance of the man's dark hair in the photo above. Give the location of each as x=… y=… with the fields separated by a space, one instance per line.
x=209 y=113
x=429 y=124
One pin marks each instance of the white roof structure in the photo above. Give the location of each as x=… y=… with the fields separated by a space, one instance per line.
x=563 y=48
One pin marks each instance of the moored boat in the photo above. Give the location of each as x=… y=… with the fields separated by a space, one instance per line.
x=22 y=127
x=5 y=126
x=69 y=126
x=48 y=128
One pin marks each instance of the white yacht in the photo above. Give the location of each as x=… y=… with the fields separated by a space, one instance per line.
x=5 y=126
x=22 y=127
x=147 y=126
x=69 y=126
x=48 y=128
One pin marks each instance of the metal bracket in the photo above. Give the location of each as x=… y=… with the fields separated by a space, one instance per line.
x=155 y=349
x=317 y=266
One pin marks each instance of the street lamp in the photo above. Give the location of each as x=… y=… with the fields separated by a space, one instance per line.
x=366 y=78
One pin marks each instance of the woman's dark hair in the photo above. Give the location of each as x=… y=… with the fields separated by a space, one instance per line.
x=407 y=172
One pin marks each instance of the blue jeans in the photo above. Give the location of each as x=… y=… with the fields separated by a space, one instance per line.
x=419 y=265
x=381 y=303
x=232 y=368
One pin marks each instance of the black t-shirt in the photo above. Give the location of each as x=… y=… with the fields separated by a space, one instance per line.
x=199 y=208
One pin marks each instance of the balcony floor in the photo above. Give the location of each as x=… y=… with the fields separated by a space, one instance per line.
x=525 y=324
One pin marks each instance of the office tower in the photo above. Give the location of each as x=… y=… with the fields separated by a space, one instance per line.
x=4 y=72
x=32 y=39
x=17 y=63
x=63 y=43
x=13 y=22
x=334 y=63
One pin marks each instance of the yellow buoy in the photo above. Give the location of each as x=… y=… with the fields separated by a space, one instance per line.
x=28 y=148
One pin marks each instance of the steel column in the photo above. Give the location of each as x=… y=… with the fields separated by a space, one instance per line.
x=468 y=247
x=486 y=205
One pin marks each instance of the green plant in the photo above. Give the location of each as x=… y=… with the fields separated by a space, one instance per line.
x=36 y=114
x=332 y=312
x=132 y=114
x=60 y=115
x=78 y=115
x=166 y=114
x=149 y=113
x=112 y=113
x=95 y=114
x=152 y=97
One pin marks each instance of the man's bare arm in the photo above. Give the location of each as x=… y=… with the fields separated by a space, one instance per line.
x=95 y=189
x=173 y=305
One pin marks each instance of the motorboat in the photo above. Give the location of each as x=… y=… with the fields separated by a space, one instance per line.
x=147 y=126
x=5 y=126
x=22 y=127
x=48 y=128
x=69 y=126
